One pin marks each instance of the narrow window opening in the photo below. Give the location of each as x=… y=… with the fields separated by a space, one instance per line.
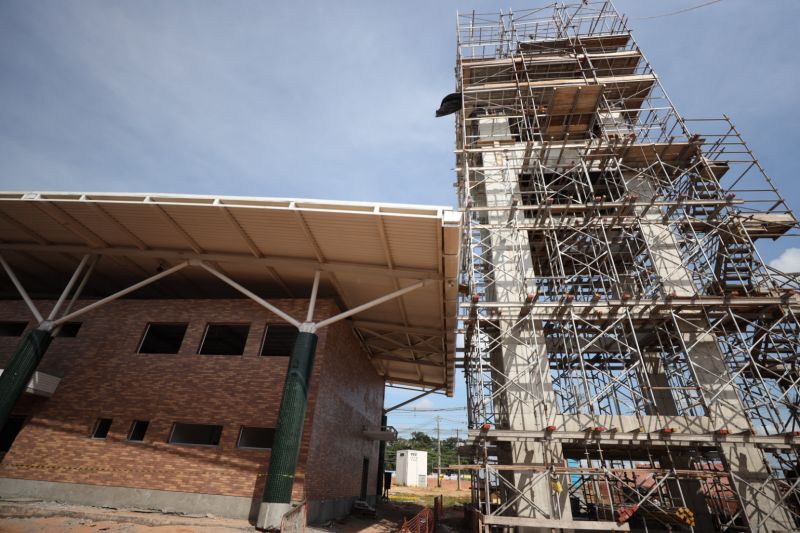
x=138 y=429
x=279 y=340
x=224 y=339
x=69 y=329
x=12 y=328
x=364 y=478
x=255 y=437
x=101 y=428
x=195 y=434
x=9 y=432
x=162 y=338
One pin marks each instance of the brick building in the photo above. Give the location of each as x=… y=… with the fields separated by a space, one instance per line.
x=169 y=396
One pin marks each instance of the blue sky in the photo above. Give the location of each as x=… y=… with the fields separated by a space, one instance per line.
x=326 y=100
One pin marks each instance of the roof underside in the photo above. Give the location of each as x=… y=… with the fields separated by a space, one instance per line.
x=271 y=246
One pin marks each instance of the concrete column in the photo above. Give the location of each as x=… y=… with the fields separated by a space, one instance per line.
x=20 y=369
x=288 y=434
x=656 y=375
x=666 y=255
x=725 y=409
x=523 y=403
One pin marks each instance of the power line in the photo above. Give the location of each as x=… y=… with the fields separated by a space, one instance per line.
x=679 y=11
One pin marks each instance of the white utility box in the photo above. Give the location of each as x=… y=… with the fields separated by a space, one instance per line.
x=412 y=468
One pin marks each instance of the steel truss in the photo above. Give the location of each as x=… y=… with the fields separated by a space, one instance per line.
x=610 y=282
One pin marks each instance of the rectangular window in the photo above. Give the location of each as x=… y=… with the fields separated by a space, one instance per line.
x=224 y=339
x=253 y=437
x=138 y=429
x=101 y=428
x=10 y=431
x=196 y=434
x=162 y=338
x=12 y=328
x=278 y=340
x=69 y=329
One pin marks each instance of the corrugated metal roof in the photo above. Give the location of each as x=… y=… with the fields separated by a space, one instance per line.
x=272 y=246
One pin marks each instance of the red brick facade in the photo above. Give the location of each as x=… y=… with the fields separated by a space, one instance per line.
x=104 y=376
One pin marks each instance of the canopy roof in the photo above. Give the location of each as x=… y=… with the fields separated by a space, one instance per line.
x=271 y=246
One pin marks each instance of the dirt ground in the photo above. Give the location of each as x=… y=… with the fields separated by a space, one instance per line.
x=32 y=516
x=449 y=492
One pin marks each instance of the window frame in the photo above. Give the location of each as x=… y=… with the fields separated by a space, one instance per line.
x=175 y=425
x=209 y=325
x=264 y=339
x=239 y=438
x=61 y=334
x=133 y=427
x=147 y=330
x=98 y=421
x=24 y=324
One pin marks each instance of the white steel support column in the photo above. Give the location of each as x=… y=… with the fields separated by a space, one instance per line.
x=22 y=292
x=116 y=295
x=68 y=288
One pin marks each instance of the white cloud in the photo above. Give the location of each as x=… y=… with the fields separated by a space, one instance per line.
x=788 y=261
x=425 y=403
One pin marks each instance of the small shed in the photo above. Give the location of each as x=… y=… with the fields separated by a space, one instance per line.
x=412 y=468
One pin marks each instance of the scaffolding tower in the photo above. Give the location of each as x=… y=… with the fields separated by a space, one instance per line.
x=632 y=362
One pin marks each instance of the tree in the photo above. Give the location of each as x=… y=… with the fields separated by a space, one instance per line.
x=422 y=442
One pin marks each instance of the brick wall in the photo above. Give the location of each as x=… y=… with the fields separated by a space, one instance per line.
x=346 y=407
x=103 y=376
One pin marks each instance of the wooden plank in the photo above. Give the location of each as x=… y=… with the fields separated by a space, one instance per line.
x=611 y=64
x=643 y=155
x=634 y=80
x=520 y=521
x=598 y=43
x=571 y=110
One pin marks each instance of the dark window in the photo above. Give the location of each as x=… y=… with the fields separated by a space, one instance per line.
x=69 y=329
x=10 y=431
x=253 y=437
x=364 y=478
x=138 y=429
x=279 y=340
x=224 y=339
x=162 y=338
x=12 y=329
x=101 y=428
x=198 y=434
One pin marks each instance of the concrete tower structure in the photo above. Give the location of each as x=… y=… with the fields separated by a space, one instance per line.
x=631 y=361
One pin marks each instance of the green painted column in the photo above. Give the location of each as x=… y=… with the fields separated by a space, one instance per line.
x=19 y=371
x=286 y=446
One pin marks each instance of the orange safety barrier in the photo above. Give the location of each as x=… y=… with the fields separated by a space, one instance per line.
x=423 y=522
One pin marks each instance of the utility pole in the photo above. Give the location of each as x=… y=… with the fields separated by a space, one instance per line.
x=458 y=460
x=438 y=455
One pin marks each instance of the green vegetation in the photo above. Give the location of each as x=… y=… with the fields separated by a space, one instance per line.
x=421 y=441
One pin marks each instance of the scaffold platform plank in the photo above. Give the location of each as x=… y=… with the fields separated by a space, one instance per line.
x=635 y=438
x=520 y=521
x=595 y=43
